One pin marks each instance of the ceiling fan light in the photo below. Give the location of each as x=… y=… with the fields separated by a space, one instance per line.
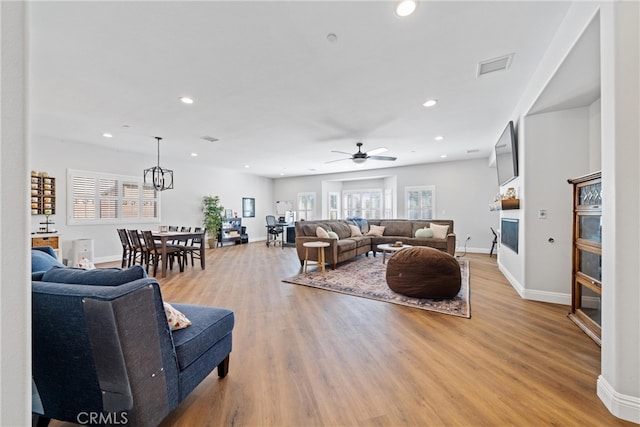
x=359 y=160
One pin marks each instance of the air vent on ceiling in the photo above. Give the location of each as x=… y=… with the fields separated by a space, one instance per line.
x=473 y=150
x=209 y=138
x=496 y=64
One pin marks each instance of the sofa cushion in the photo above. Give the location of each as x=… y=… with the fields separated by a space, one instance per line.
x=100 y=276
x=362 y=223
x=355 y=231
x=333 y=235
x=341 y=229
x=376 y=230
x=321 y=232
x=439 y=231
x=397 y=228
x=346 y=245
x=208 y=326
x=307 y=229
x=177 y=320
x=423 y=233
x=42 y=261
x=417 y=225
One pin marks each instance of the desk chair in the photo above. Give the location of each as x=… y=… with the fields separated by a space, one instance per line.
x=494 y=243
x=273 y=230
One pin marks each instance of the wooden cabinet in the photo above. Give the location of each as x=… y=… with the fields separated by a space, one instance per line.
x=43 y=195
x=230 y=231
x=586 y=289
x=52 y=240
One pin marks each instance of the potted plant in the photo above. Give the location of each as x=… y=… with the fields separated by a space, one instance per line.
x=212 y=212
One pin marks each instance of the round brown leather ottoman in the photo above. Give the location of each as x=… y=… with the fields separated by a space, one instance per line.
x=423 y=272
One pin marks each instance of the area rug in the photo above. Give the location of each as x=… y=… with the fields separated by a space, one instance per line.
x=365 y=277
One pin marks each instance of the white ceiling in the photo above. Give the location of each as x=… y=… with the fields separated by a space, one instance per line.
x=272 y=88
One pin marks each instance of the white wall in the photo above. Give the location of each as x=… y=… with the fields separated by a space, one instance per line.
x=180 y=206
x=619 y=383
x=464 y=191
x=557 y=148
x=15 y=258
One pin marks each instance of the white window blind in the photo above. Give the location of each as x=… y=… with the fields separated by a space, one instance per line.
x=98 y=198
x=421 y=202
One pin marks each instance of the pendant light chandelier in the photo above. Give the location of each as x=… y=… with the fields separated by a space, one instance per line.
x=161 y=178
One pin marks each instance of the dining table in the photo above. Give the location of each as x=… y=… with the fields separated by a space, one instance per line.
x=168 y=236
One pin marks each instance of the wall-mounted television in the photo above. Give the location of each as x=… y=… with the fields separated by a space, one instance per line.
x=507 y=155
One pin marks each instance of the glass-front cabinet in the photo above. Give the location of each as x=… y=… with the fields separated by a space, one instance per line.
x=586 y=289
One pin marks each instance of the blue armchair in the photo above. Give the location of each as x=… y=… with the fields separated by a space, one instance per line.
x=103 y=351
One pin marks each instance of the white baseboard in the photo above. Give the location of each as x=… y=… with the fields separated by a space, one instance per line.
x=621 y=405
x=535 y=295
x=514 y=283
x=460 y=250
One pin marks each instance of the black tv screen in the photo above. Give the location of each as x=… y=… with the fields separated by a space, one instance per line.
x=507 y=155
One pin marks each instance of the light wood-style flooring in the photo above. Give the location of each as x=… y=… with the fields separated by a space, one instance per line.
x=309 y=357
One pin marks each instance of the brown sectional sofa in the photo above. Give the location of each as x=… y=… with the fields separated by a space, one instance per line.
x=347 y=247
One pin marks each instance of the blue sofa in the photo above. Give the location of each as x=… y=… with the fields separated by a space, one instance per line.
x=103 y=350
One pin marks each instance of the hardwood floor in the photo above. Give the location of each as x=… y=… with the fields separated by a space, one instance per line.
x=308 y=357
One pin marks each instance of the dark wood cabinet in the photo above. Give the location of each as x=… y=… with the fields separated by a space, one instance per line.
x=230 y=231
x=586 y=289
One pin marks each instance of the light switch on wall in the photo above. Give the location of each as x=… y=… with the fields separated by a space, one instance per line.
x=542 y=214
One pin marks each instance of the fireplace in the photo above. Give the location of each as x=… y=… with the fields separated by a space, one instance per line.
x=509 y=233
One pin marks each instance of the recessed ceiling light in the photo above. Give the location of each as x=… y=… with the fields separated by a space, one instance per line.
x=194 y=154
x=332 y=38
x=246 y=166
x=107 y=135
x=444 y=156
x=430 y=102
x=439 y=138
x=186 y=100
x=281 y=173
x=406 y=7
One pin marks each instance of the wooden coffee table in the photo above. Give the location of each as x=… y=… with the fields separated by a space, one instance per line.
x=390 y=248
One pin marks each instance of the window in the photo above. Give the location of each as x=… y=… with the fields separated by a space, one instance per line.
x=98 y=198
x=363 y=203
x=421 y=202
x=306 y=206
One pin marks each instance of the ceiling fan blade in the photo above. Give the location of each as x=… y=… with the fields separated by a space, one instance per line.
x=339 y=160
x=376 y=151
x=341 y=152
x=382 y=158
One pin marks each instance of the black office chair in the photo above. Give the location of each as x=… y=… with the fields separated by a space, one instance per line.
x=495 y=241
x=273 y=230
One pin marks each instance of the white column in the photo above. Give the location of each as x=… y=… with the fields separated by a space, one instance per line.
x=15 y=283
x=619 y=381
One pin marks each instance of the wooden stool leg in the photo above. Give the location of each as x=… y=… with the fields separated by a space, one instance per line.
x=306 y=258
x=321 y=259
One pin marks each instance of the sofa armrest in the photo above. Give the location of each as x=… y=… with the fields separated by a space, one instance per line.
x=451 y=244
x=102 y=348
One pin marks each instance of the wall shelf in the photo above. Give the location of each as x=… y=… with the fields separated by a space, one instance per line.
x=505 y=204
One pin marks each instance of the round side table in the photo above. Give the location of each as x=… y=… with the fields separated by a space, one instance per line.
x=390 y=248
x=320 y=247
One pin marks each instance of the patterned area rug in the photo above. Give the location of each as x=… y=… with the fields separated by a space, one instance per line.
x=365 y=277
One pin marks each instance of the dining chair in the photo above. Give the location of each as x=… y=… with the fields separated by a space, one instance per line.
x=138 y=248
x=192 y=247
x=127 y=250
x=154 y=254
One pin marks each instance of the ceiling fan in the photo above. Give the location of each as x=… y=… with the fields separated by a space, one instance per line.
x=361 y=157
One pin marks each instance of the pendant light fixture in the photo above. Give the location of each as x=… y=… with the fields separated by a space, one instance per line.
x=161 y=178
